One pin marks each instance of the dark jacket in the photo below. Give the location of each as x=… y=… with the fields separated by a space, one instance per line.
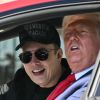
x=22 y=88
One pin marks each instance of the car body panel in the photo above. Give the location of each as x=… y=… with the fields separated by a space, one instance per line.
x=14 y=4
x=18 y=5
x=6 y=5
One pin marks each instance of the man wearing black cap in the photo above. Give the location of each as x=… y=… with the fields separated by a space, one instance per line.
x=43 y=65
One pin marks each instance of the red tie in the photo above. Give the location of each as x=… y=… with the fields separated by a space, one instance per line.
x=61 y=87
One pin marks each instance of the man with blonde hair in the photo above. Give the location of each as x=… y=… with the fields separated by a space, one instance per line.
x=81 y=35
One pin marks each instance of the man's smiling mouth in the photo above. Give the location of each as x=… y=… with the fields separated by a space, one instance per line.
x=38 y=71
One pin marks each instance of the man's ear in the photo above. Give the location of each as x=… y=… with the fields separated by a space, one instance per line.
x=59 y=54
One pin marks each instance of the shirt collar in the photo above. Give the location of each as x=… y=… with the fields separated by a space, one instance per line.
x=78 y=75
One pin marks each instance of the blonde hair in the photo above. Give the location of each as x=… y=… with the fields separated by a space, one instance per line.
x=91 y=16
x=94 y=17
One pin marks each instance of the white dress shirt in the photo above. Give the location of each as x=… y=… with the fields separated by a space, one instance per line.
x=73 y=92
x=80 y=74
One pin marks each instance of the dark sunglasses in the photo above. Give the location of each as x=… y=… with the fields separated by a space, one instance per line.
x=40 y=54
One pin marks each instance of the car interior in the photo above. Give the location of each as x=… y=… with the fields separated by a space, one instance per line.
x=9 y=40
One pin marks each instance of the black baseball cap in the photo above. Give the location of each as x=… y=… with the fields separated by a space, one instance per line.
x=42 y=32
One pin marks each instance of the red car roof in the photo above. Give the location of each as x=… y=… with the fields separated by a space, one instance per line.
x=6 y=5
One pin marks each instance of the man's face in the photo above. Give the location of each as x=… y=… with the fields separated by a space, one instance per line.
x=47 y=72
x=81 y=44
